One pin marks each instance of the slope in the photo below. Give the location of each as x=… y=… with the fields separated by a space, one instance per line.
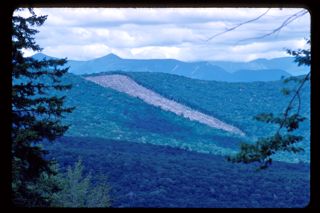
x=144 y=175
x=126 y=85
x=234 y=103
x=106 y=113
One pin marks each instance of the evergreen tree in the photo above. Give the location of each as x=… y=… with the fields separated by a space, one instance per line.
x=283 y=139
x=79 y=190
x=36 y=113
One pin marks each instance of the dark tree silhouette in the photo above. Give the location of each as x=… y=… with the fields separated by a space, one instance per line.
x=36 y=113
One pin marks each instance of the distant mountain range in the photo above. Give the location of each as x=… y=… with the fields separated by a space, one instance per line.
x=257 y=70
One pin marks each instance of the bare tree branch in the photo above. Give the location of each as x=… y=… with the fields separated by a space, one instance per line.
x=296 y=94
x=299 y=103
x=278 y=29
x=238 y=25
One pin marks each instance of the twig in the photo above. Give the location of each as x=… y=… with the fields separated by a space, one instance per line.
x=291 y=101
x=235 y=27
x=278 y=29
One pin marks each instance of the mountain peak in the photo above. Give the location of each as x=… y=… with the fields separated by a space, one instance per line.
x=109 y=57
x=260 y=60
x=112 y=56
x=40 y=56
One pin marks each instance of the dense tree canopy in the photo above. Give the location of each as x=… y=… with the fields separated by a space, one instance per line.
x=36 y=115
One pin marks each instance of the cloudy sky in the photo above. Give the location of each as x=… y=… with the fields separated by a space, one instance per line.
x=179 y=33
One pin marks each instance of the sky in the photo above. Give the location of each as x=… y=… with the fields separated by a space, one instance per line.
x=176 y=33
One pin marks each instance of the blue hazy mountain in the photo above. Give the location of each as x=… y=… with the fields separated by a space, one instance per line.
x=283 y=63
x=258 y=75
x=40 y=56
x=111 y=62
x=257 y=70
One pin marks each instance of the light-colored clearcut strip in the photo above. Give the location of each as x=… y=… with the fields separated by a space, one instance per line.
x=126 y=85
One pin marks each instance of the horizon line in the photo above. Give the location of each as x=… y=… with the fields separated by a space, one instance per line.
x=110 y=54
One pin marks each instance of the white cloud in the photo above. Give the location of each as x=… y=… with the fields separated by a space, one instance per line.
x=178 y=33
x=267 y=46
x=155 y=52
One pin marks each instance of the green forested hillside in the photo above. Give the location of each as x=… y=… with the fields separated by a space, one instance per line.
x=102 y=112
x=146 y=175
x=234 y=103
x=105 y=113
x=128 y=141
